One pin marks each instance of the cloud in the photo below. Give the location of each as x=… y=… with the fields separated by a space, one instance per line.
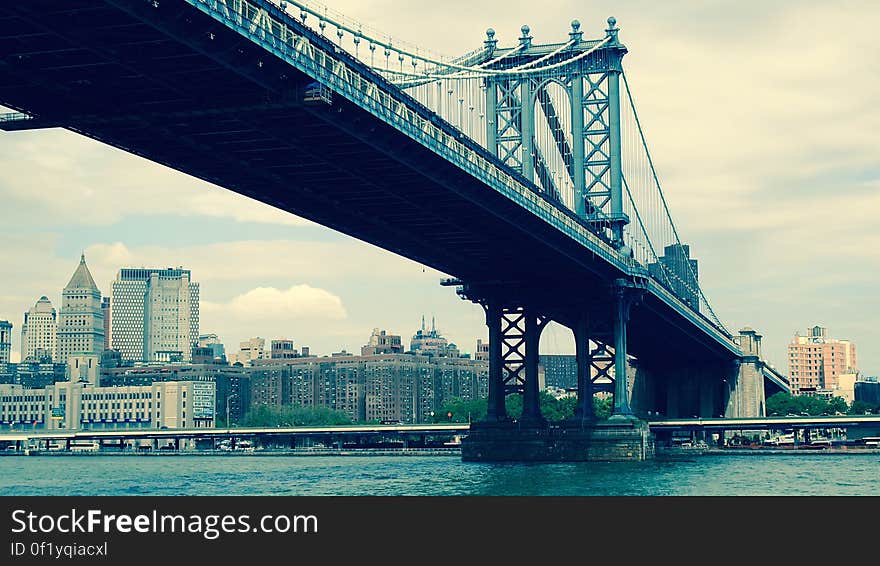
x=78 y=181
x=268 y=303
x=260 y=261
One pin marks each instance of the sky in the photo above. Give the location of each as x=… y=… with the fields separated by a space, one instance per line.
x=761 y=117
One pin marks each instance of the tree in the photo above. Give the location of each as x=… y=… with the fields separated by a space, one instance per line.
x=602 y=407
x=458 y=410
x=837 y=405
x=293 y=415
x=861 y=408
x=782 y=404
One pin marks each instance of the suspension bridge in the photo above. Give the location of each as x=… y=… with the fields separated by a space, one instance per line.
x=521 y=171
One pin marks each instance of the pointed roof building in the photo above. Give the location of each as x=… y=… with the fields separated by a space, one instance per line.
x=82 y=277
x=81 y=317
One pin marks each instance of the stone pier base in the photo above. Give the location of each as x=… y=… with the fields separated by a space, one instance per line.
x=615 y=439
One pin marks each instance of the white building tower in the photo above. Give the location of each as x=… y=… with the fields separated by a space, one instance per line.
x=80 y=319
x=39 y=333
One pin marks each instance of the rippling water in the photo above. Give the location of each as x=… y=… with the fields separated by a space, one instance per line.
x=726 y=475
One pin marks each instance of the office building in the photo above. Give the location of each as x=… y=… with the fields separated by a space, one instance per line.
x=432 y=343
x=816 y=361
x=39 y=332
x=80 y=318
x=155 y=314
x=482 y=351
x=209 y=350
x=282 y=349
x=383 y=387
x=5 y=341
x=250 y=350
x=867 y=390
x=105 y=308
x=679 y=272
x=81 y=405
x=560 y=370
x=381 y=342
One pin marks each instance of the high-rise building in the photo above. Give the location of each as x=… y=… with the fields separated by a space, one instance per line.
x=382 y=387
x=39 y=333
x=249 y=350
x=105 y=308
x=155 y=314
x=560 y=370
x=481 y=354
x=283 y=349
x=432 y=343
x=676 y=268
x=211 y=348
x=80 y=319
x=815 y=361
x=382 y=343
x=5 y=341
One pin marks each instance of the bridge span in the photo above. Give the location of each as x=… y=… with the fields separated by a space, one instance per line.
x=246 y=95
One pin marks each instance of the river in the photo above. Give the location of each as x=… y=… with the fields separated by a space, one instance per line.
x=697 y=475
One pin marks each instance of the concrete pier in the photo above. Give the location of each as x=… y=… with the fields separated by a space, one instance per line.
x=615 y=439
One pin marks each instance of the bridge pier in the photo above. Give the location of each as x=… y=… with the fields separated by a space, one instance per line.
x=514 y=334
x=583 y=412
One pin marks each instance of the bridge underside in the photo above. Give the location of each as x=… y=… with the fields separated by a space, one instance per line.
x=176 y=87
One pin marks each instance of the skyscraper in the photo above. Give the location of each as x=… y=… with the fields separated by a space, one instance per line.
x=155 y=314
x=5 y=341
x=676 y=268
x=105 y=308
x=815 y=361
x=39 y=333
x=80 y=319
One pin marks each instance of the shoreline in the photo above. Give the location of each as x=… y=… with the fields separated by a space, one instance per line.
x=237 y=453
x=766 y=451
x=660 y=453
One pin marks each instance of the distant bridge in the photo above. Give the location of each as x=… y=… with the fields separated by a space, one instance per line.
x=764 y=423
x=244 y=432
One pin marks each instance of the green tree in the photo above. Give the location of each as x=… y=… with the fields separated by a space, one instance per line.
x=861 y=408
x=812 y=406
x=293 y=415
x=837 y=405
x=602 y=407
x=459 y=410
x=781 y=404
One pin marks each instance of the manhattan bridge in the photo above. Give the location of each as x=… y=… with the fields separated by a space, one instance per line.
x=521 y=171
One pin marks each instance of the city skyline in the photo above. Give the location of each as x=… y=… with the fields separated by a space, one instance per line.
x=409 y=336
x=807 y=252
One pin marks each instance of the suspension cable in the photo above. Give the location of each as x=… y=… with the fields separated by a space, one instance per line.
x=663 y=199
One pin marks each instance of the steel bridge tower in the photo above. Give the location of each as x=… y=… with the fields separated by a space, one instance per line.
x=578 y=103
x=591 y=147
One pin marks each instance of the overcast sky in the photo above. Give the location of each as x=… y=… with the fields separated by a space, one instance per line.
x=763 y=123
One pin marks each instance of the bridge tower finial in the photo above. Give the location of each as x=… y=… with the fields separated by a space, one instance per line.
x=491 y=43
x=576 y=34
x=526 y=39
x=612 y=29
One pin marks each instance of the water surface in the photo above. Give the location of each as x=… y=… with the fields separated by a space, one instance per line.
x=724 y=475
